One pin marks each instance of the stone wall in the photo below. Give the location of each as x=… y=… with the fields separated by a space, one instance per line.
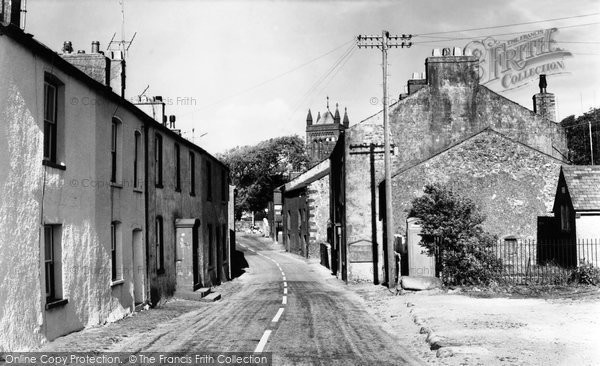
x=513 y=184
x=318 y=215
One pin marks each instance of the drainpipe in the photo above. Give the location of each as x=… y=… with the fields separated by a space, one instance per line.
x=146 y=234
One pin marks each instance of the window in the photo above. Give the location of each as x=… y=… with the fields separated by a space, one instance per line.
x=50 y=122
x=177 y=168
x=160 y=248
x=113 y=149
x=52 y=262
x=565 y=219
x=115 y=253
x=208 y=181
x=224 y=185
x=158 y=161
x=136 y=157
x=211 y=249
x=192 y=174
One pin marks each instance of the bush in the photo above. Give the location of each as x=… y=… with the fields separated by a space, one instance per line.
x=451 y=229
x=586 y=274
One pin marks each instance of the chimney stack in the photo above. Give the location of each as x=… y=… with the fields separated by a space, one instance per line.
x=96 y=47
x=10 y=12
x=449 y=67
x=544 y=103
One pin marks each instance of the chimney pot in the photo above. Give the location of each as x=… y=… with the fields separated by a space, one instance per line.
x=96 y=47
x=67 y=47
x=436 y=52
x=415 y=75
x=457 y=51
x=446 y=51
x=81 y=51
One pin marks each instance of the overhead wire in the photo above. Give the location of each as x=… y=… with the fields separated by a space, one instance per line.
x=507 y=25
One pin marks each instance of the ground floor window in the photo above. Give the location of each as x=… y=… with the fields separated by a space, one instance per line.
x=53 y=262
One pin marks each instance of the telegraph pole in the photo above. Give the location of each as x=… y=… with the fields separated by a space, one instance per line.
x=384 y=42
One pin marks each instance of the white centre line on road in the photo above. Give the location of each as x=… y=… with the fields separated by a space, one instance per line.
x=284 y=284
x=284 y=278
x=285 y=290
x=263 y=341
x=284 y=301
x=278 y=315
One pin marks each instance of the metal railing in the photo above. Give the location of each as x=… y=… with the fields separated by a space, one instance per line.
x=544 y=262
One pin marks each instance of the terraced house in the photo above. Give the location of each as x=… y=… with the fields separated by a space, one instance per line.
x=103 y=208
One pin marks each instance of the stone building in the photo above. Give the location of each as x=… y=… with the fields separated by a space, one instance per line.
x=323 y=133
x=305 y=199
x=94 y=192
x=439 y=112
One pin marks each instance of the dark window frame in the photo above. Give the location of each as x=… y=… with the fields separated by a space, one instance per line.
x=50 y=120
x=192 y=160
x=137 y=136
x=209 y=180
x=211 y=244
x=160 y=245
x=158 y=161
x=114 y=148
x=177 y=168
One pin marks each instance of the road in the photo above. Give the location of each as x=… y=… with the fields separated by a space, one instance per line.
x=283 y=305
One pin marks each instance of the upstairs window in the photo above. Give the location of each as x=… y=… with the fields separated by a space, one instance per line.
x=208 y=181
x=177 y=168
x=113 y=149
x=136 y=159
x=192 y=174
x=224 y=185
x=50 y=120
x=158 y=160
x=565 y=218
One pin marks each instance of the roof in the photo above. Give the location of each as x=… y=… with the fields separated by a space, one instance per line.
x=313 y=174
x=467 y=138
x=325 y=119
x=583 y=183
x=39 y=49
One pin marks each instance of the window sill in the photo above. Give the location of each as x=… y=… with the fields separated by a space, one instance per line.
x=117 y=282
x=178 y=190
x=159 y=186
x=116 y=185
x=192 y=194
x=54 y=165
x=138 y=190
x=160 y=271
x=56 y=303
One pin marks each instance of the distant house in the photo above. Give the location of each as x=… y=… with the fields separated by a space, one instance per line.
x=576 y=221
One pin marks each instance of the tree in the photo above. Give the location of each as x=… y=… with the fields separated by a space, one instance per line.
x=257 y=170
x=451 y=229
x=578 y=137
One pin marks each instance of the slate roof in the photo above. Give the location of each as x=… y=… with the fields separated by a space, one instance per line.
x=583 y=183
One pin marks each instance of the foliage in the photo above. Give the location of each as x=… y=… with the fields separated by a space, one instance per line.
x=578 y=136
x=451 y=229
x=257 y=170
x=586 y=274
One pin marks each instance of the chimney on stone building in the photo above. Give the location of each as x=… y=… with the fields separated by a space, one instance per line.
x=417 y=82
x=10 y=12
x=544 y=103
x=450 y=67
x=108 y=71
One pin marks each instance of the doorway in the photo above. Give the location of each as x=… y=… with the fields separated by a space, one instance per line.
x=139 y=270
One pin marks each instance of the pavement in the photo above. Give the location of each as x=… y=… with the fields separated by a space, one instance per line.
x=281 y=304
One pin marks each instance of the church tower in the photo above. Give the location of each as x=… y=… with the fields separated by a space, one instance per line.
x=323 y=133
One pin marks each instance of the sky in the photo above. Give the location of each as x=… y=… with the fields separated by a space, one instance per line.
x=239 y=72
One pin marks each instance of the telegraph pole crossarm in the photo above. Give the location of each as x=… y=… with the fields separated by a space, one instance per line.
x=384 y=42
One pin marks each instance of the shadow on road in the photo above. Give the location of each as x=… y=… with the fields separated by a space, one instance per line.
x=239 y=263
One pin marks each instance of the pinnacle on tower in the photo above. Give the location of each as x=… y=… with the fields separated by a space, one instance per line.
x=309 y=119
x=328 y=102
x=318 y=116
x=346 y=120
x=336 y=117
